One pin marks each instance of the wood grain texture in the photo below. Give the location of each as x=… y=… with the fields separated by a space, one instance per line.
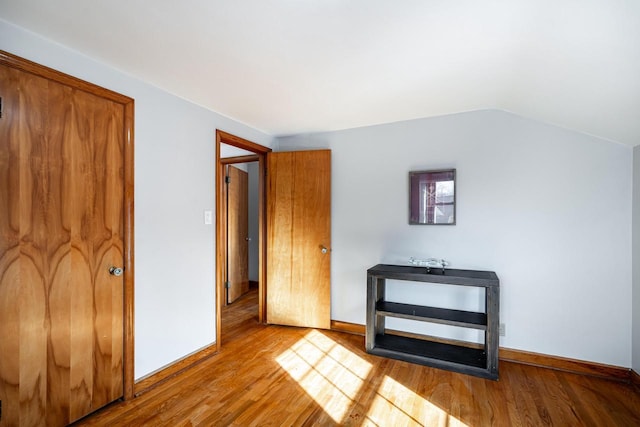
x=129 y=250
x=223 y=137
x=298 y=228
x=241 y=315
x=546 y=361
x=240 y=159
x=19 y=63
x=279 y=237
x=236 y=141
x=62 y=189
x=274 y=375
x=635 y=379
x=237 y=233
x=221 y=238
x=565 y=364
x=350 y=328
x=152 y=380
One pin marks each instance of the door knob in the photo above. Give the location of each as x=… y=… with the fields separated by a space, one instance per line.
x=116 y=271
x=323 y=249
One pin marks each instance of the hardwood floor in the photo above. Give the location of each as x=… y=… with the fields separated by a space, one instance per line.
x=277 y=376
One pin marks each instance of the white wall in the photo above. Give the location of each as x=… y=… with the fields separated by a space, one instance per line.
x=563 y=256
x=174 y=184
x=547 y=209
x=254 y=250
x=636 y=260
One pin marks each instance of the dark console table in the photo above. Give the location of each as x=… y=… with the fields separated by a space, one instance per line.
x=481 y=361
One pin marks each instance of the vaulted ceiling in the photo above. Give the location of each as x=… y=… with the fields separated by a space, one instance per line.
x=295 y=66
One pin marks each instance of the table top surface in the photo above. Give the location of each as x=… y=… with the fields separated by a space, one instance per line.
x=435 y=275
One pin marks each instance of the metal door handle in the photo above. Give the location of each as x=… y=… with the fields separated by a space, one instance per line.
x=116 y=271
x=323 y=249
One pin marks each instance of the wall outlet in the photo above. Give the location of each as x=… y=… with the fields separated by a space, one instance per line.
x=501 y=330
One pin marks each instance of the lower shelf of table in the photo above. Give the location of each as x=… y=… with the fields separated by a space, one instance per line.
x=472 y=361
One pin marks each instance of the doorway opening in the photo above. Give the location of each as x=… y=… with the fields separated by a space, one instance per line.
x=231 y=150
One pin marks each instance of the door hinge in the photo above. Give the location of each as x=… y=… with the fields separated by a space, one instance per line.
x=227 y=179
x=0 y=118
x=227 y=285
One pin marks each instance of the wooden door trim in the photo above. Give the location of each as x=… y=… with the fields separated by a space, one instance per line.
x=25 y=65
x=260 y=151
x=240 y=159
x=129 y=264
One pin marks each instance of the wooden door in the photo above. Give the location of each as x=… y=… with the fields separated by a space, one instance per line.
x=61 y=226
x=299 y=238
x=237 y=233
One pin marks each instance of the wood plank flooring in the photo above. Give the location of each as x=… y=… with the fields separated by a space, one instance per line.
x=284 y=376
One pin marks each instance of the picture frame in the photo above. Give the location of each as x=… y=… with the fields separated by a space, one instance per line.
x=432 y=197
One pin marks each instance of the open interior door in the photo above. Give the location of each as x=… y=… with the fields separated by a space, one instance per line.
x=299 y=238
x=238 y=233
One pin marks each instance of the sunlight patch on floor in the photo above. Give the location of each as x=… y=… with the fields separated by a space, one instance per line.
x=395 y=404
x=334 y=378
x=328 y=372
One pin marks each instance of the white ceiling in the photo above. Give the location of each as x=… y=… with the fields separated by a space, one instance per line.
x=294 y=66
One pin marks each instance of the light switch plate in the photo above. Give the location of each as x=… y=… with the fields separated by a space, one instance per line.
x=208 y=217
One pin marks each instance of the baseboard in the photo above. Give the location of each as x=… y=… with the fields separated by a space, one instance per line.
x=350 y=328
x=165 y=373
x=533 y=359
x=565 y=364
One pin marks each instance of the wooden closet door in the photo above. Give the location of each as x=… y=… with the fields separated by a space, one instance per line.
x=61 y=223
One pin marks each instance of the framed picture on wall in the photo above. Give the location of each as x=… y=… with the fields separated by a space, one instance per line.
x=432 y=197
